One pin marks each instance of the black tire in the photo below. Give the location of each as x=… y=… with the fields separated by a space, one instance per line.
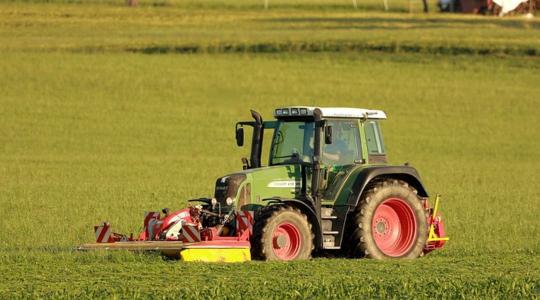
x=270 y=222
x=376 y=240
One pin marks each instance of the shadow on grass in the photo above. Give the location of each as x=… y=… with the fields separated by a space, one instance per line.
x=406 y=23
x=335 y=46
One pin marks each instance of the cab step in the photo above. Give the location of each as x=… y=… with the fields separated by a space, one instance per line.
x=329 y=242
x=332 y=247
x=328 y=228
x=326 y=211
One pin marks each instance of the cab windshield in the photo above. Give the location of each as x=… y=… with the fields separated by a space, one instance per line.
x=292 y=143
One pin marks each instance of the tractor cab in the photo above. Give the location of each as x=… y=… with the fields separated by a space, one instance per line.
x=351 y=136
x=345 y=132
x=347 y=138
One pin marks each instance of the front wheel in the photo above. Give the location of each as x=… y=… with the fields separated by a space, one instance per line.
x=282 y=233
x=391 y=222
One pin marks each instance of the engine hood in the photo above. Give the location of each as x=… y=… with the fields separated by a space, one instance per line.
x=250 y=187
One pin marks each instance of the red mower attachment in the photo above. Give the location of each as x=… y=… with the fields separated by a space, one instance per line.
x=104 y=234
x=181 y=234
x=437 y=236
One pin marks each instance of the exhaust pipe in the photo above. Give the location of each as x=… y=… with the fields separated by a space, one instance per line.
x=256 y=144
x=316 y=169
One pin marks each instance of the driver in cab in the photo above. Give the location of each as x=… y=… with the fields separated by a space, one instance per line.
x=338 y=152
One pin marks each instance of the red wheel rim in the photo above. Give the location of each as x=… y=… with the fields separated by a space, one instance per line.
x=394 y=227
x=286 y=241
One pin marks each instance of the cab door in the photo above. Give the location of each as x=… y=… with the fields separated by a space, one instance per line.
x=346 y=148
x=342 y=155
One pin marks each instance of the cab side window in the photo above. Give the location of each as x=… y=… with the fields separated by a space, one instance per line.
x=345 y=148
x=373 y=138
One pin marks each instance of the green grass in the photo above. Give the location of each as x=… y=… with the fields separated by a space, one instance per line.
x=87 y=136
x=90 y=276
x=107 y=136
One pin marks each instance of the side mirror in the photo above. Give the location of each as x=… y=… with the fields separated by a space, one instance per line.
x=328 y=135
x=240 y=136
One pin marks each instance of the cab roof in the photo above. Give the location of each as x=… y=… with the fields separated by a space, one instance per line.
x=328 y=112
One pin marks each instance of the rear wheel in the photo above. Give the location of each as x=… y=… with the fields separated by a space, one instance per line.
x=391 y=221
x=282 y=233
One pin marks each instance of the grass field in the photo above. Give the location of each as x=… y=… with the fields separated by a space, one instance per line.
x=102 y=116
x=197 y=26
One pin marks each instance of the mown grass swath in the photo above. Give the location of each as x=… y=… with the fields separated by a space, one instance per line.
x=92 y=128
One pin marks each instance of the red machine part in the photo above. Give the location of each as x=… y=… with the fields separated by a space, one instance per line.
x=150 y=220
x=103 y=233
x=244 y=221
x=438 y=226
x=438 y=230
x=154 y=225
x=182 y=225
x=190 y=233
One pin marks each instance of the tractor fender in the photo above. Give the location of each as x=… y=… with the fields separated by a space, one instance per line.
x=366 y=175
x=307 y=210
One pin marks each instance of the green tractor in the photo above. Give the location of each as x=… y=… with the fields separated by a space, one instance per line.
x=327 y=188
